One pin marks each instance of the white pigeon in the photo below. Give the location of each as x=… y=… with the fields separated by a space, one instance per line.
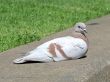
x=59 y=49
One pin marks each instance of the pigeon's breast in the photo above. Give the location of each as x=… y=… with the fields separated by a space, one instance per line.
x=75 y=48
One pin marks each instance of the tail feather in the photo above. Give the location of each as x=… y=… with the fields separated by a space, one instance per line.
x=19 y=61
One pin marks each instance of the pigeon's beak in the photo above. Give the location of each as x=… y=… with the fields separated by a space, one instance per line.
x=85 y=31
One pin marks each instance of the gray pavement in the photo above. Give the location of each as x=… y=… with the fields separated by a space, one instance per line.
x=94 y=68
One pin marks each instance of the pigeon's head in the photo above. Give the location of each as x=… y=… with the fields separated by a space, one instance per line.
x=80 y=27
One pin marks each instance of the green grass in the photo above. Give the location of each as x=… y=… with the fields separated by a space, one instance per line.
x=23 y=21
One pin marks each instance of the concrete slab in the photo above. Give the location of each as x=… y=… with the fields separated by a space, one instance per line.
x=102 y=76
x=87 y=69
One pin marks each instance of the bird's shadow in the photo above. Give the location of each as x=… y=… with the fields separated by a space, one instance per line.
x=32 y=62
x=82 y=57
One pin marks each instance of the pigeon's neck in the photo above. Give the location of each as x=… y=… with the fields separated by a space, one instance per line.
x=82 y=36
x=81 y=33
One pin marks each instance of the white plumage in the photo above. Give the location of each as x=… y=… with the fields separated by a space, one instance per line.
x=60 y=49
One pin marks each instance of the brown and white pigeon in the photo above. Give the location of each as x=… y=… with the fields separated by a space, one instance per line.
x=59 y=49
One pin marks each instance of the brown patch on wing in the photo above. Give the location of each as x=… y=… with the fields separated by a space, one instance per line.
x=61 y=51
x=52 y=49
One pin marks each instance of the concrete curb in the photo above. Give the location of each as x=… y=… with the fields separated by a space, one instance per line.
x=82 y=70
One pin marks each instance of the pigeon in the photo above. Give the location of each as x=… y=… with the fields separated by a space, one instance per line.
x=60 y=49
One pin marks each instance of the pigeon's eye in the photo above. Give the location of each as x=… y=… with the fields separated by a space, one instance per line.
x=79 y=27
